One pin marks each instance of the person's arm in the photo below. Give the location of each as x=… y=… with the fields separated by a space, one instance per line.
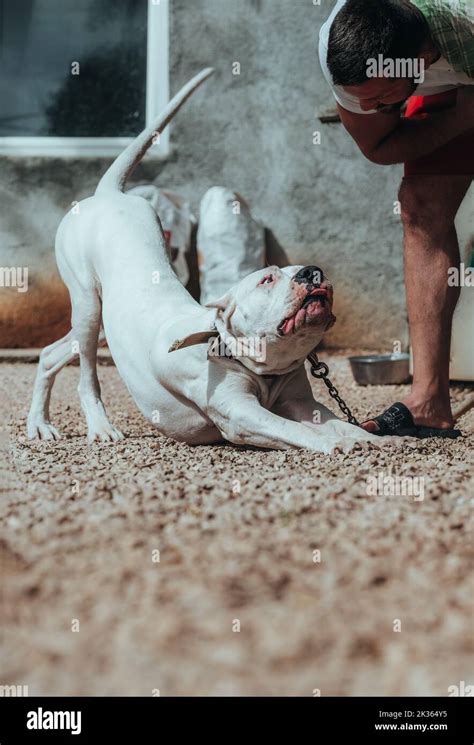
x=386 y=138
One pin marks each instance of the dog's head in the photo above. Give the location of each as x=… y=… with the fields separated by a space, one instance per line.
x=272 y=319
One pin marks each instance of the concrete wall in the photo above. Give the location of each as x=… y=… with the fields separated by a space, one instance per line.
x=252 y=132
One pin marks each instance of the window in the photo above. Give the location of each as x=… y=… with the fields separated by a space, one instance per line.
x=81 y=77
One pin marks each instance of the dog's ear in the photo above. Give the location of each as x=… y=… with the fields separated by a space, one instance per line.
x=221 y=303
x=225 y=307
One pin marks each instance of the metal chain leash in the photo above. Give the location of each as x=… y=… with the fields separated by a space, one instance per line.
x=321 y=370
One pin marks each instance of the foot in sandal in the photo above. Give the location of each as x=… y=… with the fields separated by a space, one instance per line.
x=398 y=420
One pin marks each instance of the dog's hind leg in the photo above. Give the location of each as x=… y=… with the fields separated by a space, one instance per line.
x=52 y=359
x=86 y=322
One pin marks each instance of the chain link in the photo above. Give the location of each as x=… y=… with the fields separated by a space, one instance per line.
x=321 y=370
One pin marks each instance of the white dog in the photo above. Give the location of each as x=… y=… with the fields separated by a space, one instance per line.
x=112 y=256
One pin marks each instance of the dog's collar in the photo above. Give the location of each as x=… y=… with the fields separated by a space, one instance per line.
x=203 y=337
x=200 y=337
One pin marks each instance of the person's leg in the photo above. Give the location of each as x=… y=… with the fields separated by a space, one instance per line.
x=429 y=205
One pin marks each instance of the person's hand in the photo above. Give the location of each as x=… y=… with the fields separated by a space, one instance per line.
x=465 y=106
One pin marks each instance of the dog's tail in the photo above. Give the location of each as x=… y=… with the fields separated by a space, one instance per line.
x=116 y=176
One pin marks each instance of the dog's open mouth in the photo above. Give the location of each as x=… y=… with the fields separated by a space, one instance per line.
x=313 y=307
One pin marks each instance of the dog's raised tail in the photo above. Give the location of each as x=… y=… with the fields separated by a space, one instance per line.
x=116 y=176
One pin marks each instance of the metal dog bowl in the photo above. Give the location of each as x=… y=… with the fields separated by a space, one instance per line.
x=381 y=369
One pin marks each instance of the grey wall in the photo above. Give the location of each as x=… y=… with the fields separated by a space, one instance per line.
x=252 y=132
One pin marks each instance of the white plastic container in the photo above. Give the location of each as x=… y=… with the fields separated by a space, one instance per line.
x=462 y=340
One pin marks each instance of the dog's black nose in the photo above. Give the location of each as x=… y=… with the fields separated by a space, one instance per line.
x=309 y=275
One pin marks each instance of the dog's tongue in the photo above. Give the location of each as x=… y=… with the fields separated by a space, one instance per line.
x=295 y=322
x=288 y=326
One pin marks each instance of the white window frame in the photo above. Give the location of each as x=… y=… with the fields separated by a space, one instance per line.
x=157 y=97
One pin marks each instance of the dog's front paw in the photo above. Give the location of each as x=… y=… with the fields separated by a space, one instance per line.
x=104 y=433
x=356 y=444
x=38 y=429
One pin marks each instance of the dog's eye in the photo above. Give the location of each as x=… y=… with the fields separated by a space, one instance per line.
x=267 y=280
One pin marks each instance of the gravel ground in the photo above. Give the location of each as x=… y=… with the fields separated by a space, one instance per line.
x=386 y=610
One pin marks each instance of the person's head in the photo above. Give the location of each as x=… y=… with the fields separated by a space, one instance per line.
x=376 y=49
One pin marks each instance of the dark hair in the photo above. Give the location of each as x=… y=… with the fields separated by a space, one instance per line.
x=363 y=29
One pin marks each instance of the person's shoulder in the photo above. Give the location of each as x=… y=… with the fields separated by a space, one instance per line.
x=459 y=10
x=460 y=5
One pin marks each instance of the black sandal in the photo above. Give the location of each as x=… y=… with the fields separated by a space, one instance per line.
x=397 y=421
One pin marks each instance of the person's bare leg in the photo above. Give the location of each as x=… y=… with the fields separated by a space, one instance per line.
x=429 y=205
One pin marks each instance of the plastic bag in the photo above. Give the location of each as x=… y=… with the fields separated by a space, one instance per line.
x=230 y=242
x=177 y=221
